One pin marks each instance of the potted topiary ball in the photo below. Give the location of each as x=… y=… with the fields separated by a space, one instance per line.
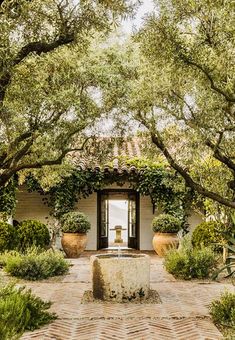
x=75 y=226
x=165 y=227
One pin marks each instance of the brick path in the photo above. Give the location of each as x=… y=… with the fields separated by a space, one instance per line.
x=182 y=315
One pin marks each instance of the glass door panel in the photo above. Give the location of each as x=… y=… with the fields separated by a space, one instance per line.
x=132 y=221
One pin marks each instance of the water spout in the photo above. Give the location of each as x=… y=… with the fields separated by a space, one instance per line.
x=119 y=251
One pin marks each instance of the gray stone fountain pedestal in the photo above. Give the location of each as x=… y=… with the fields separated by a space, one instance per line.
x=120 y=278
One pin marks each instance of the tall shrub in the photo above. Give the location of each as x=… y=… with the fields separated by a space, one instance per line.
x=210 y=233
x=33 y=233
x=8 y=237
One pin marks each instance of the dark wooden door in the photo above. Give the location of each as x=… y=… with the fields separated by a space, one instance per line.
x=103 y=221
x=133 y=220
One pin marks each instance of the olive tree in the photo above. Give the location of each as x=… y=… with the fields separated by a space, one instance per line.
x=46 y=75
x=185 y=78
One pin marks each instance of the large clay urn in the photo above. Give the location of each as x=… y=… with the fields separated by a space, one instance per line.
x=162 y=242
x=74 y=228
x=74 y=244
x=165 y=228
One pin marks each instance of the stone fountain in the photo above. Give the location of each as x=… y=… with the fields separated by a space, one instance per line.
x=120 y=277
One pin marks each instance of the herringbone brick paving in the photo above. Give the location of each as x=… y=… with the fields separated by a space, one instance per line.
x=183 y=314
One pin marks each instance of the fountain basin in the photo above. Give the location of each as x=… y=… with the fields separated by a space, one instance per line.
x=120 y=278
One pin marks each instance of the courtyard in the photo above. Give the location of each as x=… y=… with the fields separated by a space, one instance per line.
x=182 y=313
x=117 y=134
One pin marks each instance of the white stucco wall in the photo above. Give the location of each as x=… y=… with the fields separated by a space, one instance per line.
x=89 y=207
x=146 y=216
x=31 y=206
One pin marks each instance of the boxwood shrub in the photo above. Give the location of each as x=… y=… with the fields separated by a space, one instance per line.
x=75 y=222
x=166 y=223
x=8 y=237
x=33 y=233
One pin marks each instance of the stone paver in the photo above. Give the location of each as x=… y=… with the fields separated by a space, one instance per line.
x=182 y=315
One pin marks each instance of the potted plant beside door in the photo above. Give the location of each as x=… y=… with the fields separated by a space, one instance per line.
x=165 y=227
x=75 y=226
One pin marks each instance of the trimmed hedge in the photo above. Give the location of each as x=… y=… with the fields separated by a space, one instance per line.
x=8 y=237
x=75 y=222
x=33 y=233
x=166 y=223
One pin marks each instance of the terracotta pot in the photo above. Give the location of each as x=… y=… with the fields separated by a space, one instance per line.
x=163 y=242
x=73 y=244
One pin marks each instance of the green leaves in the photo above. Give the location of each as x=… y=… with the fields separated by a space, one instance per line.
x=188 y=263
x=183 y=88
x=49 y=72
x=230 y=255
x=75 y=222
x=229 y=261
x=8 y=198
x=166 y=223
x=34 y=264
x=8 y=237
x=222 y=310
x=33 y=233
x=20 y=310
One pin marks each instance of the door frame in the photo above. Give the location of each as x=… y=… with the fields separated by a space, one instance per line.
x=128 y=191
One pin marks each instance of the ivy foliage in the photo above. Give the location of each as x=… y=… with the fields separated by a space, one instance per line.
x=155 y=179
x=8 y=198
x=165 y=187
x=80 y=184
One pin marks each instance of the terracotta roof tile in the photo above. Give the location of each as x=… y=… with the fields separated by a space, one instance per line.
x=112 y=155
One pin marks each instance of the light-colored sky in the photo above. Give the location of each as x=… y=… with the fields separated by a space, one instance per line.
x=145 y=8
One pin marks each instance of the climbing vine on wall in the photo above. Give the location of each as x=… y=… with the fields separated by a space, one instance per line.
x=164 y=186
x=8 y=199
x=80 y=184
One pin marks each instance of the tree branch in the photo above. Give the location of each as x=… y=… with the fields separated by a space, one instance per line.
x=55 y=161
x=13 y=160
x=208 y=76
x=20 y=139
x=158 y=141
x=37 y=47
x=7 y=174
x=219 y=155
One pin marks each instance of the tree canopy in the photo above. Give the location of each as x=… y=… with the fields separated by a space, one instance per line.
x=59 y=74
x=46 y=74
x=184 y=88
